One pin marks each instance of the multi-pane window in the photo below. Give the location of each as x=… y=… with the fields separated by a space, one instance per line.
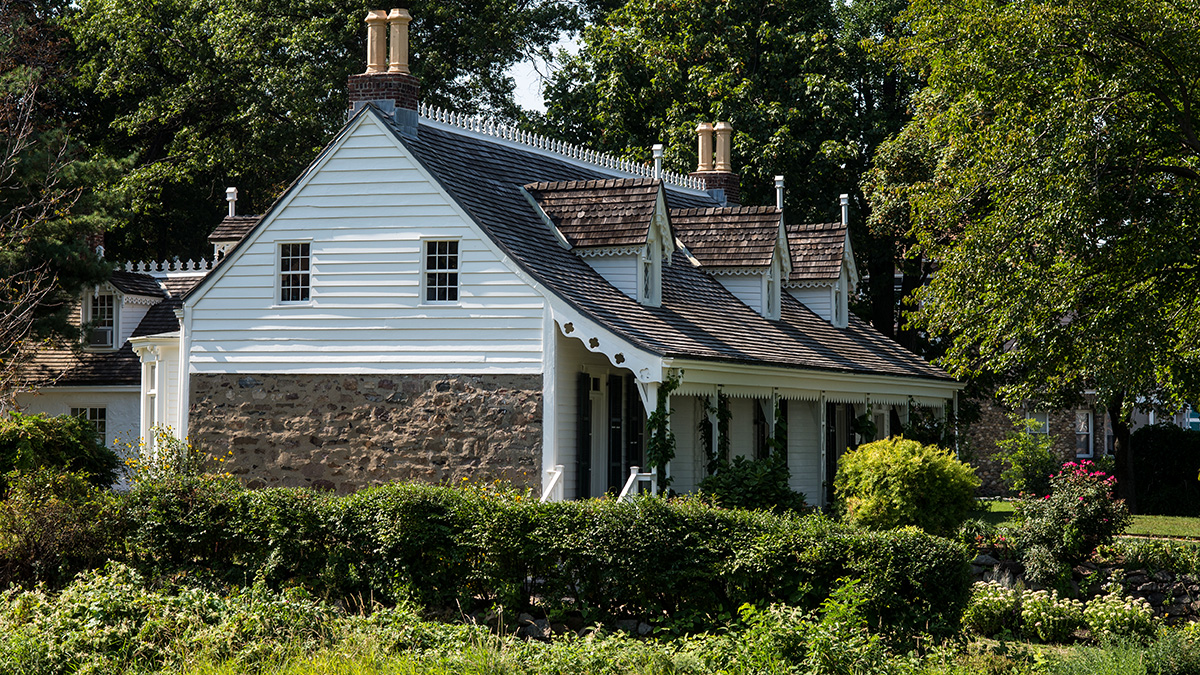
x=102 y=316
x=293 y=273
x=1043 y=422
x=441 y=271
x=1083 y=433
x=97 y=416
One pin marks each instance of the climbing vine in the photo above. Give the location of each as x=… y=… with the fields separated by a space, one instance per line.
x=660 y=444
x=719 y=457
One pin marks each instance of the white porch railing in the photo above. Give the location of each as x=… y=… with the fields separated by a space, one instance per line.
x=554 y=487
x=631 y=486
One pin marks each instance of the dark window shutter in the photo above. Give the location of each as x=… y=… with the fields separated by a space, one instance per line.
x=583 y=440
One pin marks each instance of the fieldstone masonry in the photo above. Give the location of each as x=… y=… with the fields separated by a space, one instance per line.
x=345 y=432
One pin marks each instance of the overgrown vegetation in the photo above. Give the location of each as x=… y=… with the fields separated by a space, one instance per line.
x=63 y=442
x=1030 y=458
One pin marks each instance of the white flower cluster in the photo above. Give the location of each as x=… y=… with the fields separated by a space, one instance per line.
x=1112 y=615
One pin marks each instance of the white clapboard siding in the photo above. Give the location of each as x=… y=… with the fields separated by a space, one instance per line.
x=747 y=288
x=619 y=270
x=129 y=316
x=818 y=298
x=804 y=449
x=688 y=450
x=365 y=213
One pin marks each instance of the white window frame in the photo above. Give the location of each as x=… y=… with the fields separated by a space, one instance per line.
x=279 y=272
x=1091 y=434
x=87 y=411
x=1041 y=417
x=649 y=278
x=457 y=271
x=87 y=316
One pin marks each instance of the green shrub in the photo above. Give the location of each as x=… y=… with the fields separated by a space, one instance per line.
x=1065 y=527
x=1166 y=462
x=1152 y=554
x=897 y=482
x=166 y=456
x=1111 y=615
x=679 y=562
x=1031 y=461
x=52 y=525
x=64 y=442
x=993 y=608
x=1047 y=617
x=753 y=484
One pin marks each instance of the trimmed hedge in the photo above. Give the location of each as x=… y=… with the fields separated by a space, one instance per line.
x=678 y=562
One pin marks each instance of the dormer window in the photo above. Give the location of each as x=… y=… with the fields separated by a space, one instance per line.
x=101 y=317
x=772 y=293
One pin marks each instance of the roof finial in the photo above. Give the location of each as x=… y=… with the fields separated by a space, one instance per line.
x=779 y=192
x=845 y=199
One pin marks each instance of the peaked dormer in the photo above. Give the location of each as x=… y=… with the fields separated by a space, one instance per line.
x=112 y=310
x=744 y=248
x=823 y=272
x=620 y=227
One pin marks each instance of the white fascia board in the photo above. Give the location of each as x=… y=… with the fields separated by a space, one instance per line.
x=89 y=389
x=646 y=366
x=784 y=250
x=767 y=378
x=848 y=258
x=662 y=220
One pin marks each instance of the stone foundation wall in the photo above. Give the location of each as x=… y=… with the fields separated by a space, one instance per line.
x=345 y=432
x=995 y=423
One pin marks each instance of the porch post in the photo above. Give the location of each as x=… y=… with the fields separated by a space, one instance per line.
x=549 y=401
x=824 y=443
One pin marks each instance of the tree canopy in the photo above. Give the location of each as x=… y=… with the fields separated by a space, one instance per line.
x=805 y=95
x=200 y=94
x=1051 y=169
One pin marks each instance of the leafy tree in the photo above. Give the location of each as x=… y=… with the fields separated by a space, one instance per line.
x=797 y=80
x=1051 y=170
x=43 y=221
x=201 y=94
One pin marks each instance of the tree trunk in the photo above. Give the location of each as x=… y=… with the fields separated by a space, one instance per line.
x=1124 y=455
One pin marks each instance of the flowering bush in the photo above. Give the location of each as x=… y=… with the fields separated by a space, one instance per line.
x=993 y=608
x=1065 y=526
x=167 y=456
x=1048 y=617
x=1112 y=615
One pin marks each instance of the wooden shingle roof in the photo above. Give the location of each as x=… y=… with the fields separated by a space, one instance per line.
x=817 y=250
x=735 y=236
x=233 y=228
x=599 y=213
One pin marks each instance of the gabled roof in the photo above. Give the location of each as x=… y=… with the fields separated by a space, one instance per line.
x=69 y=365
x=817 y=251
x=698 y=318
x=599 y=213
x=233 y=228
x=735 y=236
x=135 y=283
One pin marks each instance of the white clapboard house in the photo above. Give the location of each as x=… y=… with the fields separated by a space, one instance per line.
x=445 y=298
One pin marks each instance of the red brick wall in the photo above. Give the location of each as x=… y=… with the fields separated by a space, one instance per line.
x=402 y=88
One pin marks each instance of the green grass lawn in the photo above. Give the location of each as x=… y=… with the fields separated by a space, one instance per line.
x=1144 y=526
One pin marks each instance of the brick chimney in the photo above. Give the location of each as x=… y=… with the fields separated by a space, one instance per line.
x=713 y=166
x=391 y=87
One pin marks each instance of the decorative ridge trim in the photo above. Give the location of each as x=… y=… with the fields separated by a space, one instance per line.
x=202 y=265
x=607 y=250
x=127 y=299
x=809 y=284
x=491 y=127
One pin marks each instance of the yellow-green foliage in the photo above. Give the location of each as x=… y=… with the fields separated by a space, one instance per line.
x=897 y=482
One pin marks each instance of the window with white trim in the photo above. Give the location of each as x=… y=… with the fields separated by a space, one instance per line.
x=1043 y=422
x=101 y=316
x=97 y=416
x=294 y=272
x=441 y=270
x=1083 y=433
